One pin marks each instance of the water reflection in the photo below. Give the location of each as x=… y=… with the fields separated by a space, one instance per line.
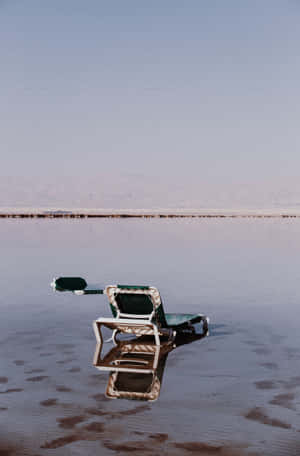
x=137 y=366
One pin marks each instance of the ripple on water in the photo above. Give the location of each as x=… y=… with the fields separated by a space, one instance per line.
x=265 y=384
x=49 y=402
x=63 y=389
x=70 y=421
x=284 y=400
x=19 y=362
x=11 y=390
x=61 y=441
x=38 y=378
x=258 y=414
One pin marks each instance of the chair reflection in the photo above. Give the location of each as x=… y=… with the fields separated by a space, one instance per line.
x=136 y=366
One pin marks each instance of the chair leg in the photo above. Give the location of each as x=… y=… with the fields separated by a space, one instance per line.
x=114 y=336
x=97 y=355
x=205 y=324
x=156 y=335
x=97 y=331
x=172 y=335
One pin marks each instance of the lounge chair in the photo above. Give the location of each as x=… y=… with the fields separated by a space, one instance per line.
x=136 y=310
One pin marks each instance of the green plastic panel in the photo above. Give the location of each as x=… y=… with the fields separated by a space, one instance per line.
x=113 y=310
x=133 y=287
x=70 y=283
x=174 y=320
x=160 y=316
x=134 y=303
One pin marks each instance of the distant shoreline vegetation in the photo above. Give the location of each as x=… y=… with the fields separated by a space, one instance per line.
x=83 y=214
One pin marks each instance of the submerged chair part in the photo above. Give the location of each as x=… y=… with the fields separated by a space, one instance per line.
x=137 y=310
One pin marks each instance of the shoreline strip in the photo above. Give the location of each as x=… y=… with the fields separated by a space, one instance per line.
x=84 y=215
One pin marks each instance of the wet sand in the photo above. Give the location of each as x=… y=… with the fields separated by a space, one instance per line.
x=233 y=393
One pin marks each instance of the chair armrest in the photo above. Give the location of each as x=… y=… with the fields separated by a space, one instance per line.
x=76 y=285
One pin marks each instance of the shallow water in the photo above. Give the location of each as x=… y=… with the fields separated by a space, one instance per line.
x=235 y=392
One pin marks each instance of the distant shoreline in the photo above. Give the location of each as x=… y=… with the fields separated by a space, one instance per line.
x=83 y=214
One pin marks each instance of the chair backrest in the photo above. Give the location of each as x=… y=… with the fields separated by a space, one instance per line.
x=137 y=302
x=134 y=304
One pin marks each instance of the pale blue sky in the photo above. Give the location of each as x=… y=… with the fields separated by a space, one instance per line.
x=204 y=91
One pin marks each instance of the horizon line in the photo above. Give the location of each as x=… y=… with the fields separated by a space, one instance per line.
x=61 y=212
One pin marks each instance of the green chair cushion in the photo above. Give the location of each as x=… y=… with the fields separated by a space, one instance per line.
x=134 y=303
x=133 y=287
x=178 y=319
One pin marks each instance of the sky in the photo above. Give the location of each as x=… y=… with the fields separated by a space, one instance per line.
x=161 y=103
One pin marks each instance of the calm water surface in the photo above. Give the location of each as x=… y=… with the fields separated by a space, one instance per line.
x=235 y=392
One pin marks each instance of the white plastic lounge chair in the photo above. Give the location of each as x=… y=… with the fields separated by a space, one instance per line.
x=136 y=310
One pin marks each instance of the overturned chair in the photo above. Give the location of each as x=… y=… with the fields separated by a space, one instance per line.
x=137 y=310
